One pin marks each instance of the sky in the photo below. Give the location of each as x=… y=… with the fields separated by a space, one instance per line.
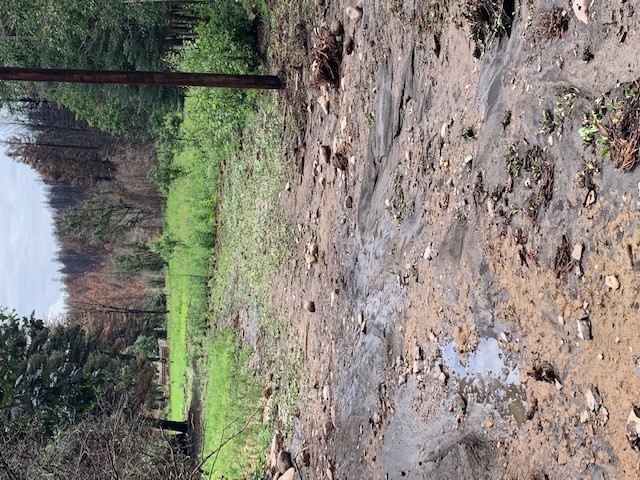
x=29 y=276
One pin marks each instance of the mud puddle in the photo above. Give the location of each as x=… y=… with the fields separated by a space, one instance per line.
x=487 y=376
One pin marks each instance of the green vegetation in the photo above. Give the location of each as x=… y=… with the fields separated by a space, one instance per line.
x=101 y=34
x=489 y=20
x=222 y=241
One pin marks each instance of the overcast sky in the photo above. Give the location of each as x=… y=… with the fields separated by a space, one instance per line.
x=29 y=277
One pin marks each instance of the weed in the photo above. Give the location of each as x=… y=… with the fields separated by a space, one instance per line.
x=548 y=123
x=369 y=119
x=514 y=162
x=489 y=20
x=505 y=119
x=467 y=132
x=460 y=216
x=398 y=205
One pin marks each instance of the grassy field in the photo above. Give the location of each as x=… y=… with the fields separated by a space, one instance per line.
x=222 y=170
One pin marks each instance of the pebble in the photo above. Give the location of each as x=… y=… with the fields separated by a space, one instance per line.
x=584 y=328
x=354 y=12
x=288 y=475
x=430 y=253
x=612 y=282
x=284 y=463
x=348 y=202
x=310 y=306
x=633 y=428
x=580 y=10
x=336 y=28
x=576 y=254
x=584 y=416
x=324 y=104
x=594 y=401
x=325 y=153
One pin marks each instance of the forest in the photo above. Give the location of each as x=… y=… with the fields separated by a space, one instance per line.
x=88 y=396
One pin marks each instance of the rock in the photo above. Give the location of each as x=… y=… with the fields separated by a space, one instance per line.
x=339 y=161
x=276 y=476
x=584 y=328
x=562 y=457
x=604 y=415
x=584 y=416
x=289 y=474
x=310 y=306
x=348 y=202
x=336 y=28
x=430 y=253
x=325 y=154
x=324 y=104
x=576 y=254
x=284 y=463
x=276 y=441
x=633 y=428
x=612 y=282
x=417 y=366
x=326 y=394
x=580 y=10
x=638 y=366
x=594 y=401
x=327 y=428
x=354 y=12
x=488 y=423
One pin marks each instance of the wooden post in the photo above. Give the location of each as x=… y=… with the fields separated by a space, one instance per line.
x=140 y=78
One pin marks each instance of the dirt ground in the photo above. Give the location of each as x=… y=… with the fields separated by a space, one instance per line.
x=446 y=340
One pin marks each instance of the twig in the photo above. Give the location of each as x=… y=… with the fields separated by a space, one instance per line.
x=216 y=450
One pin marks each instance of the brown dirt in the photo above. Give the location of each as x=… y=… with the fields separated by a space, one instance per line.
x=443 y=244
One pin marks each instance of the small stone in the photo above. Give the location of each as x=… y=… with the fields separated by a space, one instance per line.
x=594 y=401
x=612 y=282
x=417 y=366
x=276 y=440
x=584 y=328
x=638 y=366
x=289 y=474
x=633 y=428
x=325 y=154
x=488 y=423
x=310 y=306
x=580 y=10
x=284 y=462
x=560 y=319
x=287 y=187
x=348 y=202
x=584 y=416
x=324 y=104
x=562 y=457
x=558 y=385
x=354 y=12
x=430 y=253
x=336 y=28
x=576 y=254
x=326 y=393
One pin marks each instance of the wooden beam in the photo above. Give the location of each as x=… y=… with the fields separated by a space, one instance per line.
x=216 y=80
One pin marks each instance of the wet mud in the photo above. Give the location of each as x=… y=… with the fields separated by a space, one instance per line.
x=436 y=294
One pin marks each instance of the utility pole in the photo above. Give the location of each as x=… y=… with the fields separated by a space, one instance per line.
x=216 y=80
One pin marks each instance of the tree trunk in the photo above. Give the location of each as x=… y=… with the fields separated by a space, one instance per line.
x=140 y=78
x=175 y=426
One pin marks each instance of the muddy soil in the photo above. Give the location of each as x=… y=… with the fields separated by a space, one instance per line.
x=446 y=339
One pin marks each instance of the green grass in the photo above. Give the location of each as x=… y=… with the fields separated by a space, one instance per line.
x=189 y=216
x=223 y=168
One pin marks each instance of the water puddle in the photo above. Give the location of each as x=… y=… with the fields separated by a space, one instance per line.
x=487 y=376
